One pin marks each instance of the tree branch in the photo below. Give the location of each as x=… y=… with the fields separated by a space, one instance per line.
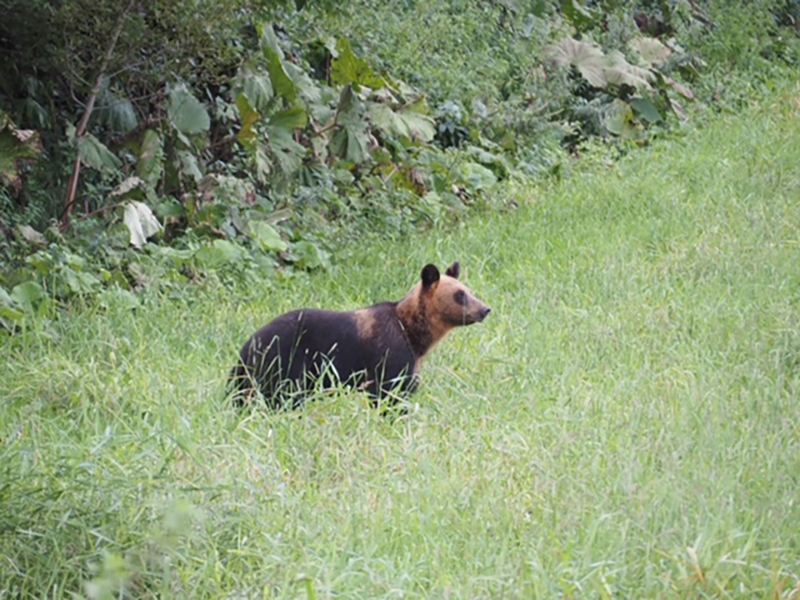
x=72 y=188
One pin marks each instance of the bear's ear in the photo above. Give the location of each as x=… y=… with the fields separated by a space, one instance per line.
x=454 y=270
x=430 y=275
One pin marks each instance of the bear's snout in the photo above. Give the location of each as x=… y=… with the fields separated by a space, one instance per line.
x=485 y=312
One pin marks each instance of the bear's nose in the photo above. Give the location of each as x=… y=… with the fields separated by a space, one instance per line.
x=484 y=312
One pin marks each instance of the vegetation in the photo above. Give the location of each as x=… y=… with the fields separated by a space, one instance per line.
x=146 y=148
x=623 y=424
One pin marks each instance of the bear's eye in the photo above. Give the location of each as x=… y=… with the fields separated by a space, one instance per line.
x=460 y=298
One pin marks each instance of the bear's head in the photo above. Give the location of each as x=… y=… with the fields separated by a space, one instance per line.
x=438 y=304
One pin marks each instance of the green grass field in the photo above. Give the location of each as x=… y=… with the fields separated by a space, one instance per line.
x=625 y=424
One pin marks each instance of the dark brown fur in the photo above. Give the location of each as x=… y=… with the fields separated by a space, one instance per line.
x=378 y=349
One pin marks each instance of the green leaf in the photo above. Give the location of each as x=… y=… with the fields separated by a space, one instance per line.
x=617 y=118
x=116 y=296
x=28 y=295
x=267 y=237
x=646 y=109
x=288 y=152
x=291 y=118
x=94 y=154
x=405 y=122
x=8 y=307
x=257 y=86
x=350 y=141
x=151 y=158
x=218 y=254
x=478 y=177
x=186 y=113
x=309 y=256
x=348 y=68
x=281 y=82
x=579 y=16
x=141 y=222
x=188 y=165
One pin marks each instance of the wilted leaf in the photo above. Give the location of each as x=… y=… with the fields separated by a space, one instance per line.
x=130 y=184
x=30 y=235
x=186 y=113
x=248 y=117
x=618 y=71
x=652 y=52
x=267 y=237
x=94 y=154
x=151 y=158
x=141 y=222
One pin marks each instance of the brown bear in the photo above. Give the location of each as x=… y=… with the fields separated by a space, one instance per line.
x=378 y=349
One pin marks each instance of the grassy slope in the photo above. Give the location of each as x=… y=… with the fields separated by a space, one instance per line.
x=624 y=424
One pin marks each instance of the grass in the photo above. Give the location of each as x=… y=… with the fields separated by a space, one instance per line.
x=624 y=424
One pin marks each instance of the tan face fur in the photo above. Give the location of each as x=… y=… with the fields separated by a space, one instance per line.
x=438 y=304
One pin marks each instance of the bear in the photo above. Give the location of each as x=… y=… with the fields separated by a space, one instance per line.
x=378 y=349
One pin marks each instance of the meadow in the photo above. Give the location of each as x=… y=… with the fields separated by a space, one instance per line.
x=626 y=423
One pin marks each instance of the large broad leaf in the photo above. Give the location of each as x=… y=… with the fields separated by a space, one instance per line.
x=598 y=69
x=248 y=116
x=580 y=16
x=9 y=309
x=348 y=68
x=28 y=295
x=405 y=122
x=188 y=165
x=350 y=141
x=618 y=119
x=186 y=113
x=618 y=71
x=646 y=109
x=151 y=158
x=267 y=237
x=651 y=52
x=288 y=152
x=257 y=86
x=587 y=58
x=291 y=118
x=94 y=154
x=281 y=82
x=141 y=222
x=308 y=89
x=218 y=254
